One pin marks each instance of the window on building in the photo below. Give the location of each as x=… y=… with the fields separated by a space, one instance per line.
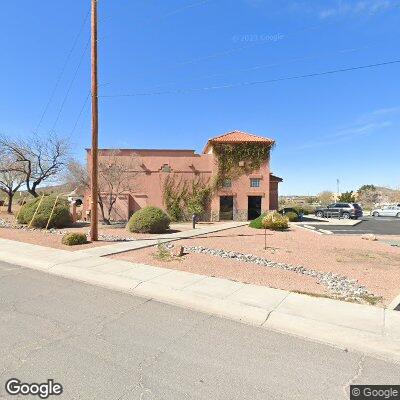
x=227 y=183
x=255 y=182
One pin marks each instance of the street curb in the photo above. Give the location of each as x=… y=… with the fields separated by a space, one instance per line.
x=395 y=303
x=369 y=329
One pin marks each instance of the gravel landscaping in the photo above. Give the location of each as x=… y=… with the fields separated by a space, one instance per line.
x=297 y=260
x=347 y=288
x=345 y=267
x=108 y=234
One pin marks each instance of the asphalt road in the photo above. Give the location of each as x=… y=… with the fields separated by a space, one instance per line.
x=100 y=344
x=376 y=226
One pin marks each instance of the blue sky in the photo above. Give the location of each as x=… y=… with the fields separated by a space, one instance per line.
x=343 y=125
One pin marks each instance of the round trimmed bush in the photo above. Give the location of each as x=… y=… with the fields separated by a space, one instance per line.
x=61 y=216
x=149 y=220
x=292 y=216
x=275 y=221
x=74 y=238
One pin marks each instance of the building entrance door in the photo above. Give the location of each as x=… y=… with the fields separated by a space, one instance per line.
x=226 y=208
x=253 y=207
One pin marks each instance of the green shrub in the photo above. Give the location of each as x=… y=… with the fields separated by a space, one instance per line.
x=61 y=216
x=271 y=220
x=304 y=209
x=175 y=212
x=257 y=223
x=73 y=239
x=275 y=221
x=149 y=220
x=292 y=216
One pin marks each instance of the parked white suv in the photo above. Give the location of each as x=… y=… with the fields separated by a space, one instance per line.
x=386 y=211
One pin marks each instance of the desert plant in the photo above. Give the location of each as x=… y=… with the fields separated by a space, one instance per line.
x=162 y=253
x=149 y=220
x=74 y=238
x=60 y=218
x=275 y=221
x=183 y=198
x=292 y=216
x=257 y=223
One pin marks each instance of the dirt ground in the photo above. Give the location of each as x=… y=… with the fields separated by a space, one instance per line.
x=374 y=264
x=43 y=238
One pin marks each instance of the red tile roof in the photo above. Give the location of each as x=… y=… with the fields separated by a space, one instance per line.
x=239 y=137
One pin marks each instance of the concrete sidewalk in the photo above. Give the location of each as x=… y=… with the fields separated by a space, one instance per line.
x=122 y=247
x=364 y=328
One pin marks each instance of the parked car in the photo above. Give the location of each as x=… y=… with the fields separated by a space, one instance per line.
x=386 y=211
x=340 y=210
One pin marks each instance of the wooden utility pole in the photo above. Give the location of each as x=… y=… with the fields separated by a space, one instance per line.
x=95 y=128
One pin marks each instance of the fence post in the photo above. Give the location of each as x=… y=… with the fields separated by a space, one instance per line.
x=37 y=208
x=23 y=202
x=52 y=212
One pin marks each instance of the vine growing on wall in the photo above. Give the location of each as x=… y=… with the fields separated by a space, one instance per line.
x=235 y=160
x=183 y=198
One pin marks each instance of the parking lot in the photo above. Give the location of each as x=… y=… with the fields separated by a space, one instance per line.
x=376 y=226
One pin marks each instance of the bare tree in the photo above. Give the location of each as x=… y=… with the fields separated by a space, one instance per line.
x=117 y=176
x=77 y=176
x=368 y=196
x=325 y=197
x=10 y=179
x=37 y=159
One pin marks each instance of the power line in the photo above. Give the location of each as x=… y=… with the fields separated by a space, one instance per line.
x=80 y=113
x=70 y=85
x=249 y=46
x=53 y=92
x=239 y=48
x=83 y=109
x=275 y=64
x=180 y=9
x=252 y=83
x=145 y=22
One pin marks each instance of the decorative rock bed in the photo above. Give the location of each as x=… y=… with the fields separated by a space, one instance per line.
x=342 y=286
x=54 y=231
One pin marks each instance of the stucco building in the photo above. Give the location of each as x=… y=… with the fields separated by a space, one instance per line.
x=241 y=198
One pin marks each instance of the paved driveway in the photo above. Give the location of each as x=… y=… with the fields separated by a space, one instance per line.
x=105 y=345
x=376 y=226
